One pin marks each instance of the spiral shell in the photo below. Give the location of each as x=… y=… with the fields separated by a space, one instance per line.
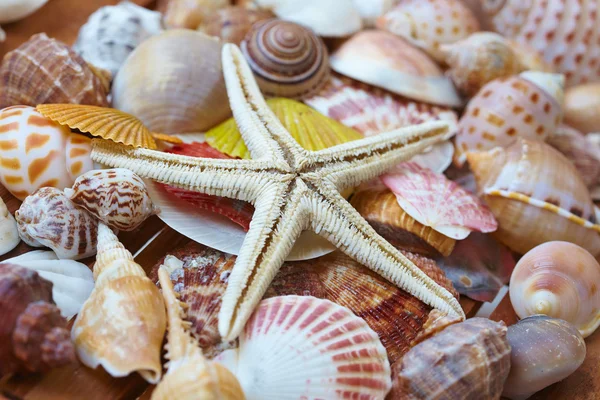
x=44 y=70
x=231 y=24
x=48 y=218
x=287 y=59
x=582 y=107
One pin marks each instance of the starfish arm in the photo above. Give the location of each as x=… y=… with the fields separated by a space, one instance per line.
x=263 y=133
x=275 y=227
x=336 y=220
x=238 y=179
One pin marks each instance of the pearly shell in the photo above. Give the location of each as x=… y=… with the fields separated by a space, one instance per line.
x=33 y=335
x=44 y=70
x=231 y=24
x=113 y=32
x=303 y=347
x=287 y=59
x=370 y=10
x=382 y=59
x=564 y=31
x=526 y=106
x=117 y=197
x=561 y=280
x=173 y=83
x=582 y=107
x=9 y=233
x=536 y=195
x=48 y=218
x=121 y=326
x=429 y=24
x=190 y=14
x=469 y=360
x=544 y=351
x=36 y=152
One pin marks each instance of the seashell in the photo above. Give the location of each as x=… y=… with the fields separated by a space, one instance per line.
x=544 y=351
x=479 y=59
x=476 y=362
x=565 y=32
x=173 y=83
x=123 y=128
x=530 y=58
x=382 y=212
x=548 y=202
x=436 y=322
x=329 y=18
x=72 y=281
x=437 y=202
x=48 y=218
x=9 y=233
x=190 y=14
x=324 y=344
x=121 y=326
x=117 y=197
x=287 y=59
x=44 y=70
x=36 y=152
x=33 y=335
x=429 y=24
x=372 y=9
x=11 y=10
x=312 y=130
x=382 y=59
x=113 y=32
x=526 y=106
x=582 y=107
x=561 y=280
x=189 y=374
x=231 y=24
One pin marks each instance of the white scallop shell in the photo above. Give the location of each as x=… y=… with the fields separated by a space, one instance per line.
x=297 y=347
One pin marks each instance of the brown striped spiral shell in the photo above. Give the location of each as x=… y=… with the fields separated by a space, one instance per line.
x=287 y=59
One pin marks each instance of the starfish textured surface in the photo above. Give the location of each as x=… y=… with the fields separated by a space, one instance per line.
x=292 y=189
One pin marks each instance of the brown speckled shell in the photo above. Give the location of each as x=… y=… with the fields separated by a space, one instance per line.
x=44 y=70
x=231 y=24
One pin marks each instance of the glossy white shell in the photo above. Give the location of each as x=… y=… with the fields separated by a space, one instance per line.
x=9 y=234
x=14 y=10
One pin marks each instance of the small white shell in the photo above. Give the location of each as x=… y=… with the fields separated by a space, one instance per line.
x=9 y=234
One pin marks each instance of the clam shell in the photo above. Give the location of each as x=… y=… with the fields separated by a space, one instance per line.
x=582 y=107
x=190 y=14
x=303 y=347
x=231 y=24
x=15 y=10
x=382 y=59
x=173 y=83
x=536 y=195
x=44 y=70
x=287 y=59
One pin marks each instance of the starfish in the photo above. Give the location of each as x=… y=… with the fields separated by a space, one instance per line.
x=292 y=190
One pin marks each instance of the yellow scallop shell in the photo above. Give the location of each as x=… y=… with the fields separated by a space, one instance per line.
x=107 y=123
x=312 y=130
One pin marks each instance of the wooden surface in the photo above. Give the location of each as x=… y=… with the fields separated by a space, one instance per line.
x=61 y=19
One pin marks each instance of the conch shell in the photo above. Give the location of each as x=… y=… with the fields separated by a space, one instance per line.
x=122 y=325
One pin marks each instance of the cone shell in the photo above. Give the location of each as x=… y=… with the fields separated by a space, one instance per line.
x=190 y=14
x=173 y=82
x=106 y=123
x=429 y=24
x=308 y=127
x=287 y=59
x=476 y=362
x=382 y=59
x=582 y=107
x=536 y=195
x=231 y=24
x=121 y=326
x=304 y=347
x=527 y=106
x=44 y=70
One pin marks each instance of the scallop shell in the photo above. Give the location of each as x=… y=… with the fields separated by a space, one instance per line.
x=429 y=24
x=15 y=10
x=44 y=70
x=231 y=24
x=106 y=123
x=48 y=218
x=582 y=107
x=544 y=351
x=122 y=325
x=308 y=127
x=117 y=197
x=9 y=233
x=469 y=360
x=303 y=347
x=113 y=32
x=536 y=195
x=382 y=59
x=287 y=59
x=173 y=82
x=437 y=202
x=36 y=152
x=527 y=106
x=190 y=14
x=564 y=31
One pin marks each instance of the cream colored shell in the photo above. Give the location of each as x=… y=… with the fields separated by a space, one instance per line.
x=9 y=234
x=14 y=10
